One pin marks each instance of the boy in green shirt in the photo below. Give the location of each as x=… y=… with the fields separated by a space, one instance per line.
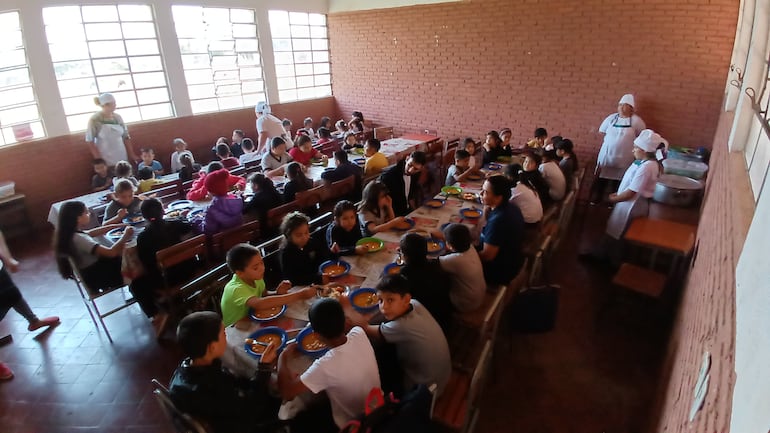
x=247 y=287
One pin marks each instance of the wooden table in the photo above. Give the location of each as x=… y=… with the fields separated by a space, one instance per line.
x=662 y=235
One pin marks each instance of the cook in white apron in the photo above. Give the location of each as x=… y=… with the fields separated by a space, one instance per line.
x=107 y=134
x=619 y=129
x=638 y=185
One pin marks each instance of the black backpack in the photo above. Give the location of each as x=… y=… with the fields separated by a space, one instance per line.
x=386 y=414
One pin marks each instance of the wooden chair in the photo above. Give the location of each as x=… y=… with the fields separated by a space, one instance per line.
x=478 y=325
x=205 y=292
x=446 y=161
x=310 y=199
x=275 y=215
x=238 y=171
x=451 y=144
x=538 y=264
x=383 y=133
x=336 y=191
x=321 y=221
x=182 y=422
x=168 y=192
x=457 y=408
x=221 y=242
x=90 y=295
x=565 y=217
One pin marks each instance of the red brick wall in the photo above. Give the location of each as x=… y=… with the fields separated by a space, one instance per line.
x=58 y=168
x=465 y=68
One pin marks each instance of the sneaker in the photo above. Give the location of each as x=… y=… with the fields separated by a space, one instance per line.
x=48 y=321
x=5 y=372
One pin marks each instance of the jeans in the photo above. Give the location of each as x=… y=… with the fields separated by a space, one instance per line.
x=10 y=297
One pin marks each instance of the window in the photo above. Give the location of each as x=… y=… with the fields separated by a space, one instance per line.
x=19 y=114
x=301 y=49
x=107 y=48
x=220 y=56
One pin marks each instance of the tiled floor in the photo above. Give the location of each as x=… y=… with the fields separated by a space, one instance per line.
x=592 y=374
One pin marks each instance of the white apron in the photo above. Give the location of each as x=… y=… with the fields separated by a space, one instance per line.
x=617 y=151
x=625 y=211
x=110 y=143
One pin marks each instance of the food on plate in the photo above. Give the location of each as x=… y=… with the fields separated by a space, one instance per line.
x=470 y=213
x=116 y=233
x=268 y=313
x=394 y=270
x=371 y=245
x=367 y=299
x=434 y=247
x=469 y=196
x=312 y=342
x=265 y=339
x=332 y=291
x=434 y=203
x=334 y=270
x=174 y=214
x=136 y=218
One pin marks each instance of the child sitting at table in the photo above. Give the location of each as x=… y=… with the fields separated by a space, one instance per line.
x=428 y=283
x=376 y=210
x=464 y=268
x=236 y=148
x=460 y=170
x=246 y=289
x=148 y=160
x=532 y=176
x=225 y=210
x=491 y=148
x=421 y=347
x=249 y=152
x=102 y=178
x=190 y=168
x=225 y=157
x=265 y=197
x=569 y=162
x=375 y=161
x=326 y=122
x=350 y=141
x=203 y=388
x=158 y=234
x=147 y=179
x=300 y=254
x=553 y=176
x=344 y=232
x=274 y=161
x=341 y=126
x=179 y=146
x=303 y=151
x=477 y=157
x=524 y=196
x=347 y=372
x=98 y=265
x=123 y=171
x=297 y=182
x=505 y=137
x=123 y=204
x=540 y=139
x=308 y=125
x=198 y=191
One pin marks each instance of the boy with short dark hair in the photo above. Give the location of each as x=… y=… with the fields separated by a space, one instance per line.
x=375 y=161
x=247 y=290
x=249 y=152
x=464 y=268
x=148 y=160
x=102 y=178
x=460 y=170
x=236 y=148
x=202 y=388
x=225 y=157
x=421 y=348
x=147 y=179
x=347 y=372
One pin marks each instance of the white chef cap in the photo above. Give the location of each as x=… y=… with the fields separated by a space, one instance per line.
x=627 y=99
x=262 y=107
x=649 y=140
x=105 y=98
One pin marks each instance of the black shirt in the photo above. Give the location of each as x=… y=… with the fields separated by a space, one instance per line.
x=300 y=266
x=505 y=230
x=346 y=240
x=292 y=187
x=535 y=180
x=262 y=202
x=393 y=178
x=430 y=284
x=156 y=237
x=343 y=171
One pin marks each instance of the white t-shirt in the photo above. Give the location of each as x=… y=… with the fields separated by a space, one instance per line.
x=84 y=250
x=176 y=165
x=553 y=176
x=641 y=178
x=467 y=276
x=528 y=203
x=248 y=157
x=273 y=127
x=347 y=373
x=269 y=162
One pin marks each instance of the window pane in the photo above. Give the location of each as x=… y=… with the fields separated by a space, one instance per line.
x=252 y=99
x=195 y=61
x=303 y=57
x=284 y=70
x=223 y=47
x=106 y=49
x=150 y=96
x=241 y=16
x=78 y=122
x=65 y=33
x=251 y=74
x=193 y=46
x=305 y=81
x=135 y=12
x=201 y=91
x=323 y=91
x=146 y=63
x=103 y=31
x=298 y=18
x=301 y=44
x=110 y=66
x=76 y=69
x=216 y=15
x=321 y=80
x=244 y=31
x=71 y=51
x=317 y=19
x=125 y=99
x=17 y=96
x=306 y=93
x=138 y=30
x=287 y=95
x=204 y=106
x=224 y=62
x=252 y=87
x=149 y=79
x=300 y=31
x=230 y=75
x=198 y=76
x=14 y=77
x=61 y=14
x=157 y=111
x=246 y=45
x=99 y=13
x=320 y=56
x=142 y=46
x=279 y=24
x=305 y=69
x=131 y=115
x=83 y=86
x=321 y=68
x=80 y=104
x=249 y=59
x=320 y=44
x=114 y=83
x=281 y=44
x=286 y=83
x=318 y=32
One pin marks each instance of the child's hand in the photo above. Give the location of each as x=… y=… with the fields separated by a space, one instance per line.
x=335 y=248
x=269 y=355
x=127 y=233
x=283 y=287
x=308 y=292
x=396 y=221
x=122 y=213
x=361 y=249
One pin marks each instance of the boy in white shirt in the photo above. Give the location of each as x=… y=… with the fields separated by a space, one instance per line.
x=347 y=372
x=464 y=267
x=557 y=184
x=249 y=152
x=179 y=147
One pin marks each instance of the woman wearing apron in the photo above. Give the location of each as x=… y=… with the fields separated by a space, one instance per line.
x=619 y=129
x=107 y=135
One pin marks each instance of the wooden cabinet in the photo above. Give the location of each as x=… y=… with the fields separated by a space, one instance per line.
x=14 y=220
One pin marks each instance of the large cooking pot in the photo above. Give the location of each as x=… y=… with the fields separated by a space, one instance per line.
x=677 y=190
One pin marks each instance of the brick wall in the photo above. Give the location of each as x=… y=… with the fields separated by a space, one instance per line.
x=54 y=169
x=706 y=319
x=465 y=68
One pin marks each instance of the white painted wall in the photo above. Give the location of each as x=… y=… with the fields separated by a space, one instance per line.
x=360 y=5
x=42 y=72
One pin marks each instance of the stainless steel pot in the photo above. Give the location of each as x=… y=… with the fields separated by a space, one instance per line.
x=677 y=190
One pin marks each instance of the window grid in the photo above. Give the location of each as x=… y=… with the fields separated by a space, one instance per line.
x=220 y=57
x=107 y=48
x=19 y=114
x=301 y=50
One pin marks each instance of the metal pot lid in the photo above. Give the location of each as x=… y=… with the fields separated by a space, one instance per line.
x=679 y=182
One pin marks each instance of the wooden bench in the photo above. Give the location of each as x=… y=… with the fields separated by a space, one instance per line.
x=640 y=280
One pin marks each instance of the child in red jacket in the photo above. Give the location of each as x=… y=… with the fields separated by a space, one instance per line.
x=199 y=190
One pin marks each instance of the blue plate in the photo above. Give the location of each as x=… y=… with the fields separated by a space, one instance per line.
x=434 y=203
x=328 y=263
x=471 y=213
x=444 y=226
x=277 y=312
x=194 y=214
x=133 y=219
x=180 y=204
x=408 y=224
x=366 y=293
x=438 y=248
x=264 y=331
x=301 y=346
x=494 y=166
x=115 y=234
x=389 y=269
